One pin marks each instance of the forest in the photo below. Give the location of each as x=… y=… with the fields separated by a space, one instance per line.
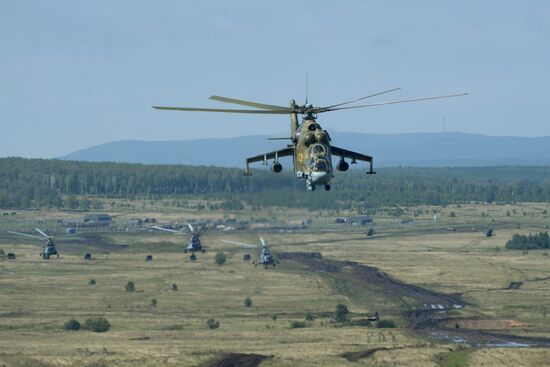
x=536 y=241
x=49 y=183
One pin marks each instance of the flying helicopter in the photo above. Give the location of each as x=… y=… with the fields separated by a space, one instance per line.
x=48 y=249
x=194 y=244
x=265 y=258
x=310 y=144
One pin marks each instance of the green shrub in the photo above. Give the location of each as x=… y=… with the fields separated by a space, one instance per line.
x=72 y=325
x=297 y=324
x=174 y=287
x=342 y=312
x=362 y=322
x=383 y=324
x=309 y=317
x=130 y=286
x=220 y=258
x=213 y=324
x=97 y=324
x=91 y=282
x=247 y=302
x=154 y=303
x=274 y=317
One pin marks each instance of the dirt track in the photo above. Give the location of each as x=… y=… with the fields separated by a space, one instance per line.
x=431 y=317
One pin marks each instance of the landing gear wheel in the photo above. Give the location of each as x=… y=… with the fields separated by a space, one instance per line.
x=185 y=251
x=327 y=187
x=310 y=187
x=193 y=257
x=203 y=251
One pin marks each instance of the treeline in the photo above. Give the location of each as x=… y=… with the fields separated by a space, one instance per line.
x=537 y=241
x=30 y=183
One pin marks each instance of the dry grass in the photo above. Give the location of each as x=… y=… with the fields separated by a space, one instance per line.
x=37 y=297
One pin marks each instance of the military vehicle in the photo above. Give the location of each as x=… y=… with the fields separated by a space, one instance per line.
x=149 y=258
x=11 y=255
x=489 y=232
x=310 y=144
x=87 y=256
x=195 y=242
x=49 y=249
x=370 y=232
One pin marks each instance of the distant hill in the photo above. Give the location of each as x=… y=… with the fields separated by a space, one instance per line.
x=416 y=149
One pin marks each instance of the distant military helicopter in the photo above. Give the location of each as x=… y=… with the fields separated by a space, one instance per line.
x=310 y=146
x=47 y=250
x=194 y=244
x=265 y=259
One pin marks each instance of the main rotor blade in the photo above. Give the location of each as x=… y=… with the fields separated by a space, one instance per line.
x=191 y=228
x=263 y=242
x=166 y=229
x=241 y=244
x=362 y=98
x=26 y=235
x=266 y=112
x=248 y=103
x=395 y=102
x=42 y=233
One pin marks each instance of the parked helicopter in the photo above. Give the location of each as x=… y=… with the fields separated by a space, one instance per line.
x=48 y=249
x=310 y=143
x=194 y=244
x=265 y=259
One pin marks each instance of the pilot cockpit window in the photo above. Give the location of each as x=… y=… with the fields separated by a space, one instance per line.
x=313 y=127
x=318 y=150
x=320 y=165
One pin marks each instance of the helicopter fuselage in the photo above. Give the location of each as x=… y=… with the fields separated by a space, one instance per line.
x=312 y=158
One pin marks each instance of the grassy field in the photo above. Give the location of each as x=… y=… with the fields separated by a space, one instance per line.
x=37 y=297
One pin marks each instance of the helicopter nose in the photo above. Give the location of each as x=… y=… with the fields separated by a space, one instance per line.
x=320 y=178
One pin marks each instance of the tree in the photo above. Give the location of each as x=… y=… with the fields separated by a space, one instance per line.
x=247 y=302
x=174 y=287
x=130 y=286
x=72 y=325
x=212 y=324
x=342 y=312
x=71 y=202
x=154 y=303
x=297 y=324
x=220 y=258
x=97 y=324
x=385 y=324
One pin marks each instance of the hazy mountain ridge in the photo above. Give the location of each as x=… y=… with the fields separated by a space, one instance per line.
x=414 y=149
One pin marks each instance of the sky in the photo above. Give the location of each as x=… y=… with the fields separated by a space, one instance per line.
x=74 y=74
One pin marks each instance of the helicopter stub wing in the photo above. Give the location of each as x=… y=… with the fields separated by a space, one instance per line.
x=344 y=153
x=271 y=155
